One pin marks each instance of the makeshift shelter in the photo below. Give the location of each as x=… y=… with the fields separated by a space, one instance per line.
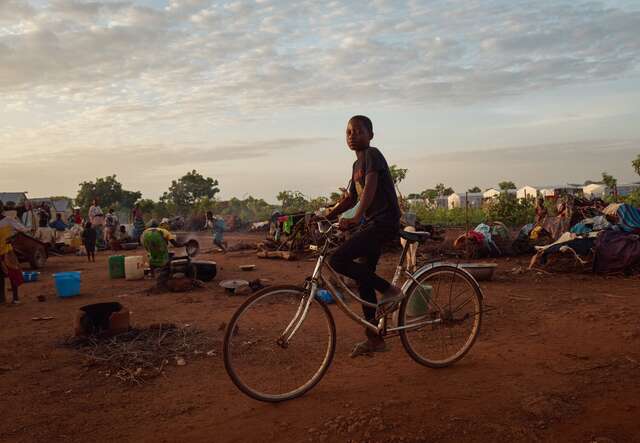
x=13 y=198
x=473 y=199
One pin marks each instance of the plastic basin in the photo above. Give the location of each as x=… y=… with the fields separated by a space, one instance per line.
x=67 y=283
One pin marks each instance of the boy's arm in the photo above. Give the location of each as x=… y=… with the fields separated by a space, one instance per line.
x=344 y=205
x=369 y=191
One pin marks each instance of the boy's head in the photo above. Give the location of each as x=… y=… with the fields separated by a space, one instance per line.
x=359 y=132
x=123 y=229
x=110 y=210
x=58 y=216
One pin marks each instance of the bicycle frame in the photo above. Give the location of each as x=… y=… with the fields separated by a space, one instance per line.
x=317 y=279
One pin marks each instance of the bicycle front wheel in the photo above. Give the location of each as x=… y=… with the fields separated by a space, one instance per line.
x=441 y=316
x=256 y=359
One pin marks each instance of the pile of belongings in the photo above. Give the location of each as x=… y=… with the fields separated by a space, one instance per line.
x=484 y=240
x=607 y=242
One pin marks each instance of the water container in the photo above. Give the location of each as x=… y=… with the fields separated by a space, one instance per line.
x=134 y=267
x=116 y=266
x=418 y=301
x=67 y=283
x=324 y=295
x=30 y=276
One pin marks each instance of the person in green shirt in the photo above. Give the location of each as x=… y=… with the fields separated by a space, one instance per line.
x=156 y=242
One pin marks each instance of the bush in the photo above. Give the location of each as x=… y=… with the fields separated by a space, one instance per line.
x=506 y=209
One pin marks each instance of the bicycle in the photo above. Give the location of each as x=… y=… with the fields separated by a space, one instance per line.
x=281 y=341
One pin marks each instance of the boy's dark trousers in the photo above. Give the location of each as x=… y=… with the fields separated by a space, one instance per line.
x=366 y=243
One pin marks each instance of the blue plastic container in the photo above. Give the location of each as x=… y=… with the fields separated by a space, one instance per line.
x=324 y=295
x=67 y=283
x=30 y=276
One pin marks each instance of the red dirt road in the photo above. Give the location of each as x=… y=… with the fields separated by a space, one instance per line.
x=558 y=359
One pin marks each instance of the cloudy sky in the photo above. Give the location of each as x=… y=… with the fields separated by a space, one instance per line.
x=257 y=93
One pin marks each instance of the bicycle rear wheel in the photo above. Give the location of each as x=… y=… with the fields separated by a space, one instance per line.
x=263 y=368
x=442 y=315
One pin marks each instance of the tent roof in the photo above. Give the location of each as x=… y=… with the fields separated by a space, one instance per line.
x=16 y=197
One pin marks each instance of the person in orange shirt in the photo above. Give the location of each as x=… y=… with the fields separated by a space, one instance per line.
x=9 y=264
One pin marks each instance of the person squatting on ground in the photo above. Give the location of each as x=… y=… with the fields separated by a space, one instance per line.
x=111 y=224
x=372 y=188
x=156 y=242
x=216 y=224
x=89 y=239
x=9 y=264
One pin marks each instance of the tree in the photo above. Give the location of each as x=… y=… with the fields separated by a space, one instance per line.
x=429 y=196
x=317 y=203
x=442 y=190
x=397 y=174
x=506 y=185
x=610 y=182
x=189 y=190
x=475 y=189
x=636 y=164
x=292 y=201
x=108 y=190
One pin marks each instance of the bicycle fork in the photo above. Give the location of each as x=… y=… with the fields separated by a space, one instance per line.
x=303 y=308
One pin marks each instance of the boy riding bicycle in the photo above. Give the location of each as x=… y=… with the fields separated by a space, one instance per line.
x=372 y=188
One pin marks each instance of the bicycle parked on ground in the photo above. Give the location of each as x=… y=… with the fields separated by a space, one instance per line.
x=281 y=341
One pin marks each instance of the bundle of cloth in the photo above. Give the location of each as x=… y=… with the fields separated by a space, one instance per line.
x=611 y=241
x=481 y=240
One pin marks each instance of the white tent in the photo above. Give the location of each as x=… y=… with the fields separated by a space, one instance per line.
x=527 y=192
x=490 y=193
x=594 y=190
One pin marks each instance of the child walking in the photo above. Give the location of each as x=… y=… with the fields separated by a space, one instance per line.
x=89 y=238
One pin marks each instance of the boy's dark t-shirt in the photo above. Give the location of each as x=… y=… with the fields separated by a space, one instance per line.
x=384 y=208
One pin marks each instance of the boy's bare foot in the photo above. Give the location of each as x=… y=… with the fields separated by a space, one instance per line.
x=368 y=347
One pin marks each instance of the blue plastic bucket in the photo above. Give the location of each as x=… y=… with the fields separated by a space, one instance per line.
x=67 y=283
x=30 y=276
x=324 y=295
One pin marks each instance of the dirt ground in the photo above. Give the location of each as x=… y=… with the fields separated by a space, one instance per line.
x=558 y=359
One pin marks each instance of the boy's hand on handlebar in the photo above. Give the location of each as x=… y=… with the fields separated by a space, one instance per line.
x=348 y=223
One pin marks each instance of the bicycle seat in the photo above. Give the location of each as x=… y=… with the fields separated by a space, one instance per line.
x=414 y=236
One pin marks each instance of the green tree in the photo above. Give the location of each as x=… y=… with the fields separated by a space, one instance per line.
x=429 y=196
x=147 y=206
x=636 y=164
x=610 y=182
x=397 y=174
x=475 y=189
x=317 y=203
x=506 y=185
x=189 y=190
x=443 y=190
x=292 y=201
x=108 y=190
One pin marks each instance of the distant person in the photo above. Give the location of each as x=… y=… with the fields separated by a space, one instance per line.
x=44 y=215
x=541 y=210
x=156 y=242
x=96 y=217
x=372 y=189
x=76 y=217
x=58 y=224
x=89 y=238
x=217 y=226
x=9 y=264
x=120 y=237
x=111 y=224
x=138 y=222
